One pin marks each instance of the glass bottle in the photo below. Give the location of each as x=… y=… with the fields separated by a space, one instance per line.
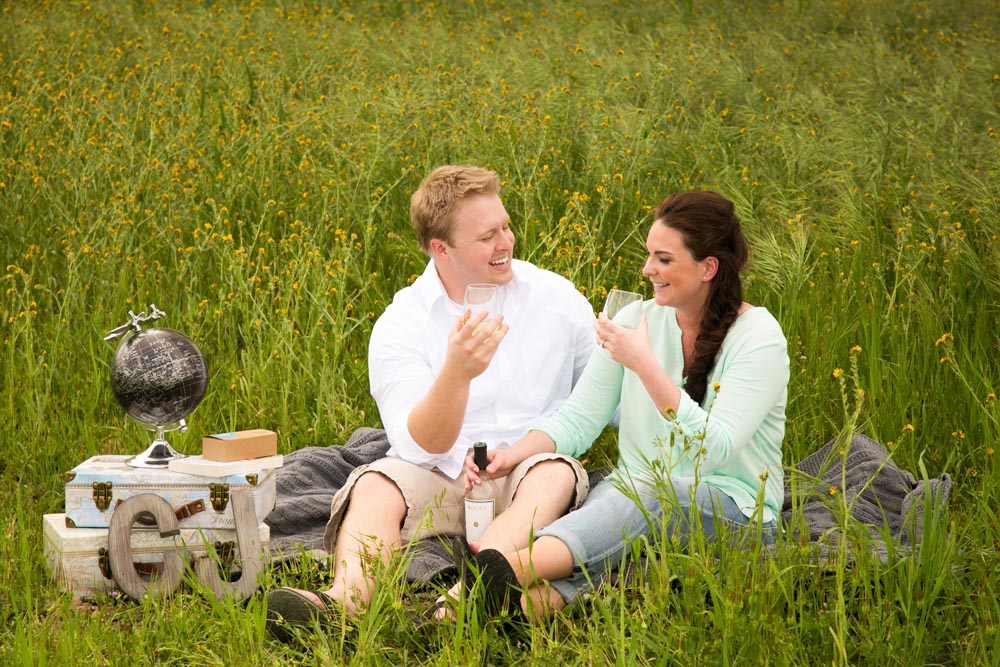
x=480 y=501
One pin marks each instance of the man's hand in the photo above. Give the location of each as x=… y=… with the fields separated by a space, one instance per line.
x=472 y=343
x=502 y=461
x=436 y=421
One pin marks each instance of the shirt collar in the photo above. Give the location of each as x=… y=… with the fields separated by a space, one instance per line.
x=431 y=289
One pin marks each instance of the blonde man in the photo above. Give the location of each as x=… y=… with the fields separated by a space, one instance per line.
x=443 y=382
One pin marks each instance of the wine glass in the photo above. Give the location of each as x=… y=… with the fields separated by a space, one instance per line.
x=617 y=301
x=483 y=296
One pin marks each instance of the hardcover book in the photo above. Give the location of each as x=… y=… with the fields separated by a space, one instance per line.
x=197 y=465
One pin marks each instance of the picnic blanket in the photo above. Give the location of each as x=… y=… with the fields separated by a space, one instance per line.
x=887 y=502
x=305 y=486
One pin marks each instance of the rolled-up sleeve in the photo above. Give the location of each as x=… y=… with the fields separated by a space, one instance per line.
x=400 y=375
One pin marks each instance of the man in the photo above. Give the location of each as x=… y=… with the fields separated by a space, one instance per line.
x=443 y=381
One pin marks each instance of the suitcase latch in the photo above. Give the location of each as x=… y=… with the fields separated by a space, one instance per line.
x=218 y=494
x=226 y=552
x=145 y=570
x=102 y=495
x=104 y=562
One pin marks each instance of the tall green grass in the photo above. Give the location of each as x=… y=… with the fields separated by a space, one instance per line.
x=246 y=166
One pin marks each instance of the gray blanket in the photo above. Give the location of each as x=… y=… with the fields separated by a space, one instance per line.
x=306 y=484
x=887 y=504
x=885 y=501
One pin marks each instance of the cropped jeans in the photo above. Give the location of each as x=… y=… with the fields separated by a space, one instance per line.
x=617 y=511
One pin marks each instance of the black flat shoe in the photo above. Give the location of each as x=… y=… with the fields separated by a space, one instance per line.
x=501 y=590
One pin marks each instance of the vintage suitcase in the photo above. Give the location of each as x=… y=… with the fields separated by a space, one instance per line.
x=78 y=558
x=95 y=487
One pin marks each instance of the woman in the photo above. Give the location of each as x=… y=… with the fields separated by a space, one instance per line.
x=702 y=383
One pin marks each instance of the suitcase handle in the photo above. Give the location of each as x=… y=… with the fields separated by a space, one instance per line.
x=146 y=519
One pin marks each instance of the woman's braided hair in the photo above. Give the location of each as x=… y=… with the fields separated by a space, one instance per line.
x=710 y=227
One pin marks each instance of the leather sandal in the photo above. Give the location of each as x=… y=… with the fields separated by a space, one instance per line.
x=289 y=607
x=429 y=617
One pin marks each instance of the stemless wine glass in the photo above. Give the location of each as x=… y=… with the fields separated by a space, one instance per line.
x=483 y=296
x=618 y=300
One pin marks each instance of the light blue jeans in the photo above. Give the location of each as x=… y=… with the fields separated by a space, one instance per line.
x=600 y=532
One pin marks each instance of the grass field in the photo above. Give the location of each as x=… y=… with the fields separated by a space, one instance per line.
x=246 y=166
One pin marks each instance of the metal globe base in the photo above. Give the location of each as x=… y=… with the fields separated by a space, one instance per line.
x=159 y=454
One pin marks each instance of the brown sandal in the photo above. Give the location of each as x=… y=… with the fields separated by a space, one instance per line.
x=289 y=607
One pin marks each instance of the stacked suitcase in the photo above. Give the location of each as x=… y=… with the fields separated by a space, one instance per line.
x=77 y=546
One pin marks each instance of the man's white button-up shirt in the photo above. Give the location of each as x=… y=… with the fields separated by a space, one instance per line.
x=550 y=340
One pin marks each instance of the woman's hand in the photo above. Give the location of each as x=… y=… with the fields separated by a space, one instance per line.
x=502 y=461
x=629 y=347
x=498 y=465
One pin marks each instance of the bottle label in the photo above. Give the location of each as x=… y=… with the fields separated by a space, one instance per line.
x=478 y=514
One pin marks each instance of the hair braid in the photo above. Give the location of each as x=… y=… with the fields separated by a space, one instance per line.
x=719 y=315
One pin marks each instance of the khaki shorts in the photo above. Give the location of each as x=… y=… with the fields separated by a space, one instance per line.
x=433 y=500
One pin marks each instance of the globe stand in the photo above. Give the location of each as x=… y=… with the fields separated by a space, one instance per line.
x=159 y=454
x=158 y=376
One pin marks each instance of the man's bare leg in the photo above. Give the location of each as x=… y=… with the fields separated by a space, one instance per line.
x=369 y=532
x=544 y=495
